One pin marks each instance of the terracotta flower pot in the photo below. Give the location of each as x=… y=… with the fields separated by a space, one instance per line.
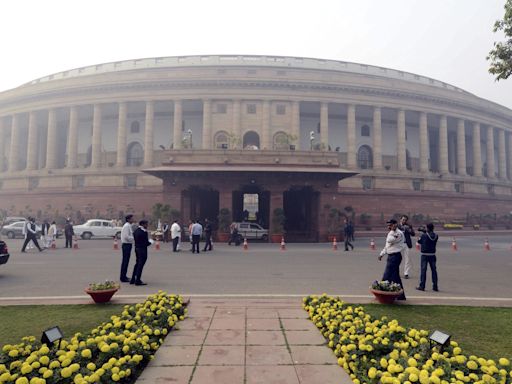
x=385 y=297
x=103 y=296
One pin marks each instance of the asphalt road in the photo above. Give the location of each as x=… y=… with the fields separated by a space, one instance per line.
x=263 y=269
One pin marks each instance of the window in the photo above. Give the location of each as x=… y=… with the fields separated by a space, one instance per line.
x=130 y=181
x=417 y=184
x=251 y=140
x=222 y=108
x=134 y=155
x=365 y=157
x=490 y=189
x=459 y=187
x=135 y=127
x=281 y=141
x=367 y=183
x=280 y=109
x=221 y=140
x=251 y=108
x=365 y=130
x=408 y=162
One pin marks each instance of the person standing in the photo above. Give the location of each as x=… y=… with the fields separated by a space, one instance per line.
x=408 y=233
x=31 y=234
x=393 y=248
x=428 y=242
x=45 y=227
x=165 y=230
x=69 y=233
x=126 y=247
x=52 y=234
x=207 y=235
x=197 y=231
x=175 y=235
x=142 y=243
x=347 y=231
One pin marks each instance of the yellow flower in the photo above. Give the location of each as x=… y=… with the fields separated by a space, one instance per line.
x=504 y=362
x=13 y=353
x=47 y=374
x=22 y=380
x=472 y=365
x=86 y=353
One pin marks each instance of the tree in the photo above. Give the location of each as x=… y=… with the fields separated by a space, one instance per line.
x=501 y=56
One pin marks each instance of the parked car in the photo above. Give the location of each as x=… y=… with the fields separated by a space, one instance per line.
x=15 y=230
x=4 y=252
x=252 y=231
x=97 y=228
x=13 y=219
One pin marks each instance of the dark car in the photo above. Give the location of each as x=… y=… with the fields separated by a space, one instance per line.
x=4 y=252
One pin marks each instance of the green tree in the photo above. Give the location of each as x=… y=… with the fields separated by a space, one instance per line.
x=501 y=56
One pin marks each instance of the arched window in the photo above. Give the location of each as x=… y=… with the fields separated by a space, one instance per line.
x=408 y=163
x=365 y=157
x=365 y=130
x=135 y=127
x=134 y=155
x=251 y=140
x=221 y=140
x=281 y=141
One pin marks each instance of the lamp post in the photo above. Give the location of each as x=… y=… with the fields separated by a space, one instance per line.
x=311 y=139
x=189 y=132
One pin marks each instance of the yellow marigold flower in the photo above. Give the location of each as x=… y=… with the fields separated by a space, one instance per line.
x=105 y=348
x=26 y=369
x=48 y=373
x=65 y=362
x=44 y=360
x=86 y=353
x=472 y=365
x=66 y=372
x=22 y=380
x=54 y=364
x=504 y=362
x=13 y=353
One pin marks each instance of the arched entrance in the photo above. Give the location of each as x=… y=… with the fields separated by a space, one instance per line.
x=200 y=202
x=251 y=140
x=251 y=203
x=301 y=206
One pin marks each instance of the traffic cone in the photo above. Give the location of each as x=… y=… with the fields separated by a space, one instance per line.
x=54 y=246
x=372 y=244
x=334 y=244
x=454 y=244
x=75 y=243
x=283 y=245
x=487 y=247
x=116 y=244
x=246 y=246
x=157 y=245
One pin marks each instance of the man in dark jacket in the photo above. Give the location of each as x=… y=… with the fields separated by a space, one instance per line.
x=207 y=235
x=69 y=233
x=428 y=241
x=31 y=234
x=141 y=239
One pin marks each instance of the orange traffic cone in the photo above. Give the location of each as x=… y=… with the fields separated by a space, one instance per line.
x=334 y=244
x=54 y=246
x=75 y=243
x=116 y=244
x=157 y=245
x=246 y=246
x=454 y=244
x=372 y=244
x=283 y=245
x=487 y=247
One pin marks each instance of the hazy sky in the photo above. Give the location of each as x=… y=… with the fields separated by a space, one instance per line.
x=447 y=40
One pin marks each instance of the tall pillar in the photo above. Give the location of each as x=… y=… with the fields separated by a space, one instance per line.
x=502 y=156
x=51 y=145
x=443 y=145
x=177 y=124
x=73 y=137
x=2 y=144
x=324 y=124
x=351 y=136
x=15 y=144
x=295 y=131
x=490 y=153
x=265 y=126
x=96 y=137
x=510 y=156
x=424 y=152
x=276 y=201
x=148 y=134
x=477 y=151
x=121 y=134
x=400 y=144
x=32 y=142
x=207 y=124
x=236 y=129
x=377 y=138
x=461 y=147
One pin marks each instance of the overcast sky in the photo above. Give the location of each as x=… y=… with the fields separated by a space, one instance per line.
x=447 y=40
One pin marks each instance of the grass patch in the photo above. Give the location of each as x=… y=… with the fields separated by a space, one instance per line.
x=18 y=321
x=481 y=331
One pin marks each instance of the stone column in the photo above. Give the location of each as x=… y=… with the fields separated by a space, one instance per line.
x=265 y=126
x=73 y=137
x=461 y=148
x=177 y=124
x=2 y=144
x=121 y=134
x=324 y=125
x=276 y=201
x=477 y=151
x=15 y=144
x=32 y=142
x=148 y=134
x=207 y=124
x=377 y=138
x=96 y=137
x=510 y=156
x=295 y=131
x=51 y=145
x=400 y=144
x=443 y=145
x=502 y=156
x=351 y=136
x=490 y=153
x=236 y=129
x=424 y=152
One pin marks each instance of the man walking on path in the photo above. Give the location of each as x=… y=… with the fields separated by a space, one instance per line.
x=393 y=248
x=142 y=243
x=30 y=227
x=126 y=247
x=207 y=236
x=408 y=233
x=347 y=231
x=428 y=241
x=197 y=231
x=175 y=235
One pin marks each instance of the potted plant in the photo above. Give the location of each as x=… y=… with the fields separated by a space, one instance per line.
x=102 y=292
x=278 y=220
x=386 y=291
x=224 y=223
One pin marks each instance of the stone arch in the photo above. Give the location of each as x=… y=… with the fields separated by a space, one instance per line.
x=134 y=154
x=221 y=140
x=365 y=157
x=280 y=141
x=251 y=140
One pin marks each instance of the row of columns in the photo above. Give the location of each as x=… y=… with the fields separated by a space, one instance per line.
x=51 y=153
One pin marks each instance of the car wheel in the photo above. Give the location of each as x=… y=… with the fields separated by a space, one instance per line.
x=264 y=237
x=86 y=236
x=10 y=235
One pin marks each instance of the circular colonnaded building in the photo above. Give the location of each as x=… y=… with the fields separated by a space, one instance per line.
x=201 y=133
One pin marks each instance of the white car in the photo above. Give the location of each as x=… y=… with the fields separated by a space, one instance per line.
x=97 y=228
x=252 y=231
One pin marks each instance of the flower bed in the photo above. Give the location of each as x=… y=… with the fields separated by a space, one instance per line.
x=381 y=351
x=115 y=351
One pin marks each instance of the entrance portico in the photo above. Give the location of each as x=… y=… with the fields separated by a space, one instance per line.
x=200 y=183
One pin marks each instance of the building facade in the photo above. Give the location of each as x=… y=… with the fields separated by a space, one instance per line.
x=118 y=137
